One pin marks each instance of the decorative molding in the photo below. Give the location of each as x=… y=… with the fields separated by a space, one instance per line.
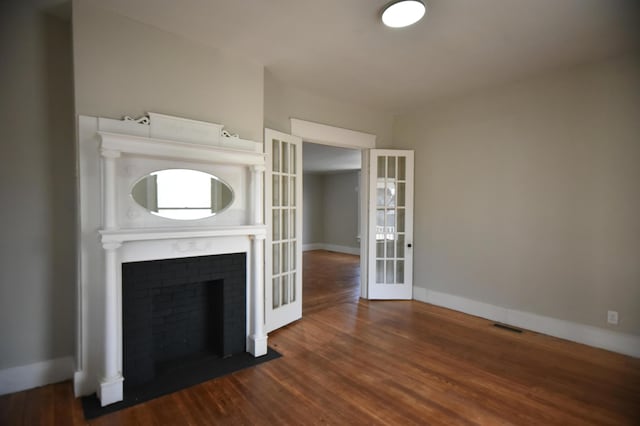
x=110 y=390
x=198 y=132
x=161 y=148
x=330 y=135
x=257 y=337
x=257 y=345
x=225 y=134
x=29 y=376
x=133 y=213
x=111 y=245
x=191 y=246
x=627 y=344
x=131 y=171
x=142 y=120
x=110 y=153
x=150 y=234
x=184 y=129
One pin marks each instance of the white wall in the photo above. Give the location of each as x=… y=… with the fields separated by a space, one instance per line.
x=123 y=67
x=528 y=195
x=37 y=256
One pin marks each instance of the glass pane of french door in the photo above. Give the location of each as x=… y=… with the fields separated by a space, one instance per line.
x=284 y=209
x=389 y=207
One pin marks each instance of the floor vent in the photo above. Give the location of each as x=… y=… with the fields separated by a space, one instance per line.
x=507 y=327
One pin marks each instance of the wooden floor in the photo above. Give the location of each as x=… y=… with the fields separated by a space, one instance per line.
x=330 y=279
x=357 y=362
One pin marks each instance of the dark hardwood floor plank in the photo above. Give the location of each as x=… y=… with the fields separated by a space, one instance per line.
x=39 y=406
x=67 y=409
x=15 y=403
x=4 y=406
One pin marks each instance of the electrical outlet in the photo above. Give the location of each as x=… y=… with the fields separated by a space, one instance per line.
x=612 y=317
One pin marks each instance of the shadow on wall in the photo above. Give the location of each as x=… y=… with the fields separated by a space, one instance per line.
x=60 y=185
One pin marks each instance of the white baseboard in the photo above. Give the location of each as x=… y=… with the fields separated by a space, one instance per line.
x=342 y=249
x=627 y=344
x=17 y=379
x=331 y=247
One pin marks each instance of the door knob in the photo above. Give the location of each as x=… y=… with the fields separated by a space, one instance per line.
x=409 y=245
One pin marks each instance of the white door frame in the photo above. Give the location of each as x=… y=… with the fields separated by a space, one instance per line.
x=323 y=134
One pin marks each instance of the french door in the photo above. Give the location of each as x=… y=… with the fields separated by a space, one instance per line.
x=390 y=236
x=283 y=213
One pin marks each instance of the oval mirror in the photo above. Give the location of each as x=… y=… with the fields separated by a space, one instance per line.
x=182 y=194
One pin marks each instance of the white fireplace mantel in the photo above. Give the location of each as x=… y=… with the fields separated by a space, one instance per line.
x=112 y=156
x=177 y=150
x=124 y=235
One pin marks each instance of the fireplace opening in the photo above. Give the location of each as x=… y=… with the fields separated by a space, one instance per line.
x=187 y=323
x=181 y=313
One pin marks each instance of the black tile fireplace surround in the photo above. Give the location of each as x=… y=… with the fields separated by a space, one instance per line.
x=181 y=311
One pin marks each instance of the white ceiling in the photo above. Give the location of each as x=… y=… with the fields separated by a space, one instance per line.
x=327 y=159
x=340 y=49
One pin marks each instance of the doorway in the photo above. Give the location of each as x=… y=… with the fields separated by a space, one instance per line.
x=284 y=214
x=385 y=212
x=331 y=226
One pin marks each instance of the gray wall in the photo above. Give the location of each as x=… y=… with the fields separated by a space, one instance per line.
x=528 y=196
x=331 y=209
x=37 y=256
x=313 y=208
x=123 y=67
x=341 y=209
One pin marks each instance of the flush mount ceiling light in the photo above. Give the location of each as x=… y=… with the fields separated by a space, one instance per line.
x=403 y=13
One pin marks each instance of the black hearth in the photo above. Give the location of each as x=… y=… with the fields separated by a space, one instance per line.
x=181 y=312
x=183 y=322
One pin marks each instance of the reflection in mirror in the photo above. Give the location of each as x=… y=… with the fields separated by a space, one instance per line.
x=182 y=194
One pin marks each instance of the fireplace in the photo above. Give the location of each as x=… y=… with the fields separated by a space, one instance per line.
x=118 y=235
x=179 y=312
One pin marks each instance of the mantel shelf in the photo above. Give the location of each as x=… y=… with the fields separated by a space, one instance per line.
x=124 y=235
x=163 y=148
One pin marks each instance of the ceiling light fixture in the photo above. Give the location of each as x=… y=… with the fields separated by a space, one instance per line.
x=403 y=13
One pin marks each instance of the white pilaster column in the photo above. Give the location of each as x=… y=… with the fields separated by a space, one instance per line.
x=257 y=344
x=110 y=389
x=109 y=188
x=257 y=337
x=257 y=205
